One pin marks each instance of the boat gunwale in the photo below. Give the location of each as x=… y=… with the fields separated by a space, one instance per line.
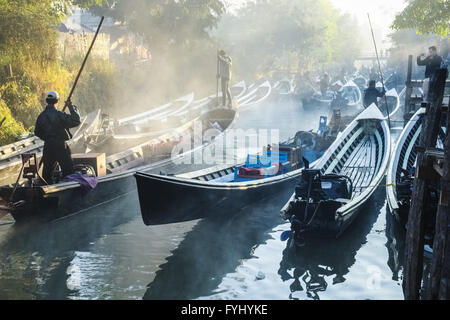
x=391 y=179
x=249 y=102
x=356 y=202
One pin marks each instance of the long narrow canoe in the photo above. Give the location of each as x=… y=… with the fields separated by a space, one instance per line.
x=157 y=125
x=49 y=202
x=159 y=112
x=258 y=94
x=393 y=101
x=332 y=192
x=399 y=175
x=213 y=192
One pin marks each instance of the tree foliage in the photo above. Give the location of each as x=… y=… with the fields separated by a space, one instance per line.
x=165 y=23
x=425 y=16
x=10 y=130
x=289 y=35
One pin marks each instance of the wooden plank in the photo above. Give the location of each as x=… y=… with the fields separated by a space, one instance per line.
x=414 y=241
x=408 y=91
x=438 y=286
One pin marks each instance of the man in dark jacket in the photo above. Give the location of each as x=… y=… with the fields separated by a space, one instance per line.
x=225 y=76
x=371 y=94
x=52 y=126
x=324 y=84
x=431 y=63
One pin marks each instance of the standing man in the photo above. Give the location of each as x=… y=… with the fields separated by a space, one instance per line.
x=431 y=63
x=371 y=94
x=324 y=84
x=225 y=76
x=52 y=126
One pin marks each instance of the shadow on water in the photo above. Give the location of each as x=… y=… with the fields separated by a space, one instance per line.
x=214 y=248
x=323 y=258
x=34 y=258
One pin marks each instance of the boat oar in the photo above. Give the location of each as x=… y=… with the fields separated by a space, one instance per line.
x=379 y=70
x=82 y=65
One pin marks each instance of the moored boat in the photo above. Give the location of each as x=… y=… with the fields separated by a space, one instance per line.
x=33 y=201
x=158 y=112
x=393 y=103
x=347 y=99
x=221 y=189
x=401 y=169
x=255 y=95
x=140 y=128
x=332 y=191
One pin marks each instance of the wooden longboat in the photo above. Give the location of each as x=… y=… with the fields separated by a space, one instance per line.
x=331 y=193
x=255 y=95
x=11 y=161
x=222 y=189
x=50 y=202
x=399 y=177
x=149 y=125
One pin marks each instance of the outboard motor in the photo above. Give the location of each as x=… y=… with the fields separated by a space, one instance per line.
x=315 y=199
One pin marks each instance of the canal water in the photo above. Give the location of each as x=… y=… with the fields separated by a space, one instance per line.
x=107 y=252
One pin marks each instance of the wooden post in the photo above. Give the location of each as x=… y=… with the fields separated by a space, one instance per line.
x=408 y=91
x=414 y=241
x=438 y=287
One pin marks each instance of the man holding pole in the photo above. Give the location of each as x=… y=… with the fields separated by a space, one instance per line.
x=52 y=127
x=224 y=73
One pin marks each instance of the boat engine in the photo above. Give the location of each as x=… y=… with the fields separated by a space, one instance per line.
x=315 y=202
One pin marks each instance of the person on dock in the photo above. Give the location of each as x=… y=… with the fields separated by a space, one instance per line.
x=52 y=126
x=224 y=73
x=371 y=94
x=431 y=63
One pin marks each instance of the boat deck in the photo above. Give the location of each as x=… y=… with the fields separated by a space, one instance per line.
x=360 y=167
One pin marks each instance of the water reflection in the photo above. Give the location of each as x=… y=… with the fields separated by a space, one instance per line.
x=34 y=259
x=214 y=248
x=322 y=258
x=395 y=234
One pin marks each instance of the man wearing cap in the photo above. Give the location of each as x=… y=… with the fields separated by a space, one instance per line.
x=225 y=76
x=52 y=126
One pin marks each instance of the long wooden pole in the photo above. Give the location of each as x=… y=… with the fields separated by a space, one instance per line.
x=379 y=70
x=84 y=62
x=217 y=79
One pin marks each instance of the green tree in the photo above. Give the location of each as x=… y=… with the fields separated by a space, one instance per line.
x=28 y=54
x=10 y=130
x=288 y=35
x=177 y=34
x=425 y=16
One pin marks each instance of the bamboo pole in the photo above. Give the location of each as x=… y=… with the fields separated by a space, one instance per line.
x=83 y=64
x=379 y=70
